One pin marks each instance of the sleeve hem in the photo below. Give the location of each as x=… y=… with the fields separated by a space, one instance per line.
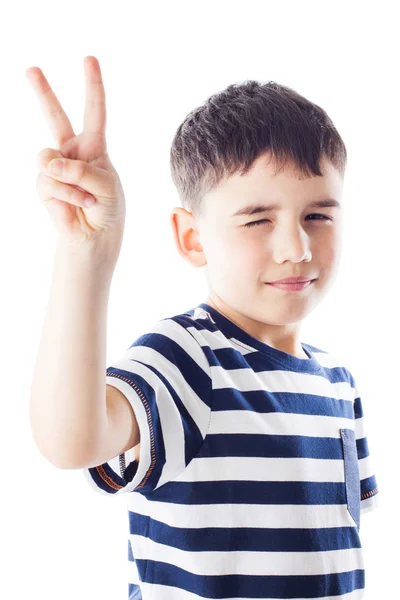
x=369 y=494
x=138 y=403
x=103 y=478
x=370 y=503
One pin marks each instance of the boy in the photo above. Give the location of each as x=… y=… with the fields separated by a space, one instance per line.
x=254 y=464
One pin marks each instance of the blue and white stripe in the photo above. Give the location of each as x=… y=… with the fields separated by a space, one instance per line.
x=245 y=487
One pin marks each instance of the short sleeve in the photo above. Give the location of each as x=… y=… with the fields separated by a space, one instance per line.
x=165 y=375
x=368 y=482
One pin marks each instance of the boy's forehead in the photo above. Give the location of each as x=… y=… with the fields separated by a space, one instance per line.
x=265 y=185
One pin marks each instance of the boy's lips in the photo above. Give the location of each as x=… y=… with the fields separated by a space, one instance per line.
x=292 y=280
x=295 y=286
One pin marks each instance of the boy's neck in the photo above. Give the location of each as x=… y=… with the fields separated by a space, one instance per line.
x=288 y=343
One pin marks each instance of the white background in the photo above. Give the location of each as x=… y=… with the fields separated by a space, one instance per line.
x=59 y=539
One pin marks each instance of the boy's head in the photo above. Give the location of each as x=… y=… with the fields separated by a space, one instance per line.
x=258 y=144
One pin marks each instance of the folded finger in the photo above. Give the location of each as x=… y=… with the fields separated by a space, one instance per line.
x=48 y=188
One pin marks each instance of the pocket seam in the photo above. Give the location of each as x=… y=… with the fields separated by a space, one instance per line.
x=350 y=461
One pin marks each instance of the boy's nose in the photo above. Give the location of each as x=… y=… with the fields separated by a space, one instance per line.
x=293 y=246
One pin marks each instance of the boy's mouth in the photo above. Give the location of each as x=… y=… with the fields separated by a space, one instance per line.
x=293 y=286
x=299 y=279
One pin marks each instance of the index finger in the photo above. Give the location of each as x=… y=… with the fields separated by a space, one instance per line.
x=60 y=125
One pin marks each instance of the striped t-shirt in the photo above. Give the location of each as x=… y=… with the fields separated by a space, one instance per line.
x=254 y=466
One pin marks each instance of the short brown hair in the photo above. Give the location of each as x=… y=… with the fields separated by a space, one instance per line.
x=229 y=131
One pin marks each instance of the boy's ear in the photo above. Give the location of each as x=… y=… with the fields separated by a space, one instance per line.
x=186 y=236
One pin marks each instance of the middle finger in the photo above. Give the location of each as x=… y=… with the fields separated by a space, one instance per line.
x=95 y=106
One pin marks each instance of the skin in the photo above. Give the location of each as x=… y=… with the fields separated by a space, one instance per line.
x=239 y=261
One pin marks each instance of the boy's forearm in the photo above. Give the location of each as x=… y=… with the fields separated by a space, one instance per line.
x=68 y=394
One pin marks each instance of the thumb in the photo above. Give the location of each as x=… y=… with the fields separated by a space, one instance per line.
x=96 y=181
x=80 y=174
x=45 y=156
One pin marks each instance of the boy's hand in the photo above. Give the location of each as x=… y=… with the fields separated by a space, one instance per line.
x=87 y=168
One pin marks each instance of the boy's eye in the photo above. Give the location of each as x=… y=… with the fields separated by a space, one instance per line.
x=325 y=217
x=256 y=223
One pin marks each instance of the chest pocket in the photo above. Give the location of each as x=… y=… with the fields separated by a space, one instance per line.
x=351 y=474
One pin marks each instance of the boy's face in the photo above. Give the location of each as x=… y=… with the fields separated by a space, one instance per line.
x=289 y=241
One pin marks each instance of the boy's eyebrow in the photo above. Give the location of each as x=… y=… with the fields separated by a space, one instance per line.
x=253 y=209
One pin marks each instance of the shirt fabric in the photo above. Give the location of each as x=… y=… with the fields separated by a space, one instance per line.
x=254 y=466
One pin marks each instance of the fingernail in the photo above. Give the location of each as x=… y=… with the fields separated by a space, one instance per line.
x=88 y=201
x=56 y=167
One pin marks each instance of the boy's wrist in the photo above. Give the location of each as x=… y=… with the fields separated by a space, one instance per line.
x=88 y=258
